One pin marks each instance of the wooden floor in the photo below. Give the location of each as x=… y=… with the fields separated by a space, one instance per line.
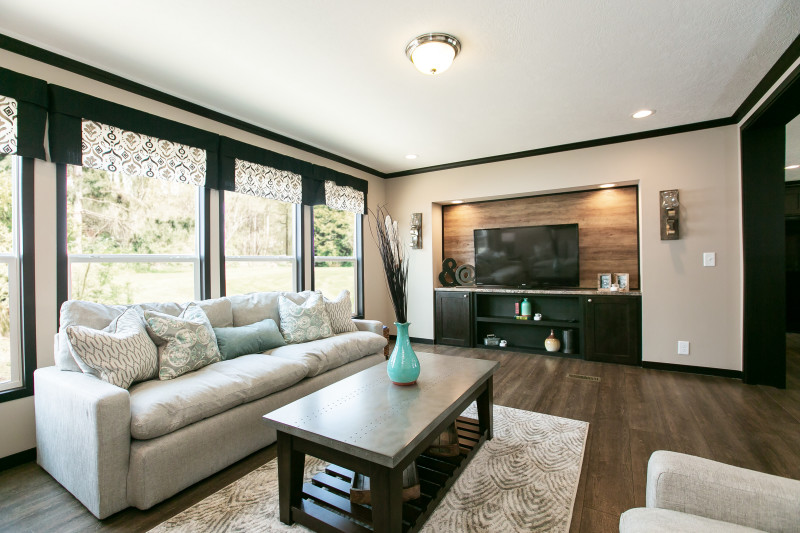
x=631 y=411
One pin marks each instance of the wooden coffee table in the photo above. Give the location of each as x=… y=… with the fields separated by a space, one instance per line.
x=367 y=425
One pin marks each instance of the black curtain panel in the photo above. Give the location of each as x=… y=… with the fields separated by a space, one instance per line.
x=31 y=96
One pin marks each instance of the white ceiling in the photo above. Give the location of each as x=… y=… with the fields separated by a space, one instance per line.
x=531 y=74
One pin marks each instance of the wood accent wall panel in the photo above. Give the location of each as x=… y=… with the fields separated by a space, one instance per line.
x=607 y=227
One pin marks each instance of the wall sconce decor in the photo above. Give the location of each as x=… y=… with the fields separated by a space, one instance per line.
x=670 y=205
x=416 y=231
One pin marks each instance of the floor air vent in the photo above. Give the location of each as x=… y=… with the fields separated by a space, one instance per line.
x=585 y=378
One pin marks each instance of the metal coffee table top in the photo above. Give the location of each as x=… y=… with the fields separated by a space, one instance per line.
x=366 y=415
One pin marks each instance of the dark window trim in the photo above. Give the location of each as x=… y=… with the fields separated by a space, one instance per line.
x=221 y=222
x=62 y=264
x=204 y=219
x=359 y=253
x=27 y=283
x=299 y=250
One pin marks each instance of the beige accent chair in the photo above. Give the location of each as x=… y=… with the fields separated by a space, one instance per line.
x=691 y=494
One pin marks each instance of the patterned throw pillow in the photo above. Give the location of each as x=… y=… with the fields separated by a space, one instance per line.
x=341 y=313
x=120 y=354
x=185 y=342
x=306 y=322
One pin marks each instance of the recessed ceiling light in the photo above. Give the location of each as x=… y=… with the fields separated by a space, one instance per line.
x=791 y=167
x=608 y=185
x=457 y=202
x=643 y=113
x=411 y=156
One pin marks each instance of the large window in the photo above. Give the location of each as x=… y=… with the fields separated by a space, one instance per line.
x=131 y=239
x=259 y=244
x=10 y=352
x=334 y=252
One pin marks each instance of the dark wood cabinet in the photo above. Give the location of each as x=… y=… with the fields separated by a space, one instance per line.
x=613 y=326
x=453 y=318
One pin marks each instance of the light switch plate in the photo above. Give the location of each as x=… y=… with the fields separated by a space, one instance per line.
x=683 y=347
x=709 y=259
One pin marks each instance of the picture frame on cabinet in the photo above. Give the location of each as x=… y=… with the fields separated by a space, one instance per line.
x=623 y=280
x=604 y=281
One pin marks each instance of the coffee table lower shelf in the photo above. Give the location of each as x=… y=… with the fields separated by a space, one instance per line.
x=325 y=504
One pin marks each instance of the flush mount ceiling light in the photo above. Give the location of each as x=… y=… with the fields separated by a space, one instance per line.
x=433 y=53
x=644 y=113
x=608 y=185
x=457 y=202
x=791 y=167
x=411 y=156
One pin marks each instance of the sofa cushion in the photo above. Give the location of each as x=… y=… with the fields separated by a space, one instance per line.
x=340 y=312
x=121 y=354
x=256 y=306
x=253 y=338
x=185 y=342
x=98 y=316
x=161 y=407
x=652 y=520
x=325 y=354
x=304 y=322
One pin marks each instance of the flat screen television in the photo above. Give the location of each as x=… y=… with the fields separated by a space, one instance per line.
x=529 y=256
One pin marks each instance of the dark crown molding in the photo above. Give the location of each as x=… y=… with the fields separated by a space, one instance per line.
x=16 y=46
x=571 y=146
x=57 y=60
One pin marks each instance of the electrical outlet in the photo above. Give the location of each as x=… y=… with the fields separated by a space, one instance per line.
x=709 y=259
x=683 y=347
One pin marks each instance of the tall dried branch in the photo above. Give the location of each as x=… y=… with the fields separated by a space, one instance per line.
x=395 y=261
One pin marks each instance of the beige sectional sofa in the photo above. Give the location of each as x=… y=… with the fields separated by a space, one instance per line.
x=113 y=448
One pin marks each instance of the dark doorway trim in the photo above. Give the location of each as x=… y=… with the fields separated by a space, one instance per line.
x=763 y=145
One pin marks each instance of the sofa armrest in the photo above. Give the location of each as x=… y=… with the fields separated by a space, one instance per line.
x=722 y=492
x=375 y=326
x=83 y=437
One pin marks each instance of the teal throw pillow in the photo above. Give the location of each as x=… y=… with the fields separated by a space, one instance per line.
x=253 y=338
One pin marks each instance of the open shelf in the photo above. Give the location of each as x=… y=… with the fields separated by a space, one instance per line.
x=565 y=324
x=326 y=506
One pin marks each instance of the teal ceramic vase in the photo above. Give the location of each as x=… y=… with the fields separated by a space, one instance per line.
x=403 y=366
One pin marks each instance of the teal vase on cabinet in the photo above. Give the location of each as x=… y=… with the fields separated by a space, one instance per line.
x=526 y=307
x=403 y=365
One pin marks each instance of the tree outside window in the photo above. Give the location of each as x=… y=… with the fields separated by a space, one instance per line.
x=259 y=244
x=131 y=239
x=334 y=252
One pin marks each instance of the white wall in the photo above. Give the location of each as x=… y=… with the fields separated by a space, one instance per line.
x=17 y=417
x=681 y=299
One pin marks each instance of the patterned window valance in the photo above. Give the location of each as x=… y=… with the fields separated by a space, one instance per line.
x=109 y=148
x=343 y=198
x=267 y=182
x=8 y=125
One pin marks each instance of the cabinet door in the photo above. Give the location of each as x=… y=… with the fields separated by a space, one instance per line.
x=613 y=329
x=453 y=320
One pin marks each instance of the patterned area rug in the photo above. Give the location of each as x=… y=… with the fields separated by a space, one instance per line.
x=524 y=479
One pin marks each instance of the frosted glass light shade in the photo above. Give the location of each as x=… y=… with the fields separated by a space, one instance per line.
x=433 y=53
